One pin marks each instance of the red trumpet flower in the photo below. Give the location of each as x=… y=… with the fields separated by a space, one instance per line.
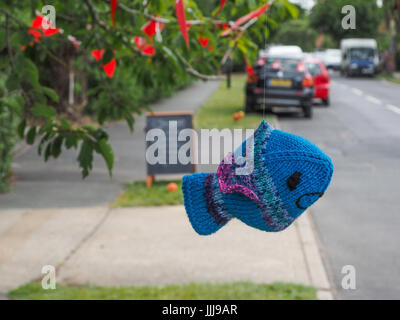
x=108 y=68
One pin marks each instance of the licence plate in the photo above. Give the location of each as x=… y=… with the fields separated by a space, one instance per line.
x=367 y=70
x=280 y=83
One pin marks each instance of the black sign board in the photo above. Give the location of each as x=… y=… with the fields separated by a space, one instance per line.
x=168 y=125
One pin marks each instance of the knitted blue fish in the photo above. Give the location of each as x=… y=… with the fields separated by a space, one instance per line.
x=288 y=175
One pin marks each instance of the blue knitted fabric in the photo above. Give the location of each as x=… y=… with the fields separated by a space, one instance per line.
x=289 y=175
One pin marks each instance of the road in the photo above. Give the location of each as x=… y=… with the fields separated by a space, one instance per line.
x=358 y=219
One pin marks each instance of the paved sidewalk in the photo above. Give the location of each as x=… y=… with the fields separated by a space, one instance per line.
x=152 y=245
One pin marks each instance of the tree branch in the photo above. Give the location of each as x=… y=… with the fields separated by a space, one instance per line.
x=164 y=20
x=94 y=15
x=197 y=74
x=8 y=42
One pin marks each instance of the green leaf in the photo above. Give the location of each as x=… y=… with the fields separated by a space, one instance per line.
x=42 y=142
x=65 y=123
x=50 y=93
x=31 y=135
x=3 y=42
x=21 y=128
x=108 y=55
x=173 y=58
x=47 y=152
x=56 y=146
x=28 y=71
x=108 y=154
x=71 y=140
x=15 y=103
x=85 y=158
x=12 y=82
x=293 y=11
x=43 y=111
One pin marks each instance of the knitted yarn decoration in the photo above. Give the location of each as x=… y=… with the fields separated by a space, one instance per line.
x=288 y=174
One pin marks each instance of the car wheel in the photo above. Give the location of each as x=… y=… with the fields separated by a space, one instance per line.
x=250 y=105
x=308 y=111
x=326 y=102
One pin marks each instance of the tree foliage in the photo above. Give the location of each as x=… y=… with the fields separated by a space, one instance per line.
x=326 y=17
x=38 y=67
x=297 y=32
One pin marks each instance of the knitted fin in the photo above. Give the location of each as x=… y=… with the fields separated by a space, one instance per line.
x=203 y=203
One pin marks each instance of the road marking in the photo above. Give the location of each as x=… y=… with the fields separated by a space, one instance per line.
x=393 y=108
x=357 y=91
x=373 y=100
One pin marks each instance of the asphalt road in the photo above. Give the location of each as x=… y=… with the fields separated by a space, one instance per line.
x=358 y=219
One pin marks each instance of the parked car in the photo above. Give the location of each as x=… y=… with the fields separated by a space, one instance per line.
x=321 y=79
x=359 y=57
x=280 y=78
x=333 y=59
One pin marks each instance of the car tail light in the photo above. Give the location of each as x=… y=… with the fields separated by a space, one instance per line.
x=261 y=62
x=324 y=78
x=308 y=81
x=301 y=67
x=276 y=65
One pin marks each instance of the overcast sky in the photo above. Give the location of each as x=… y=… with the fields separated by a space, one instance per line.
x=306 y=4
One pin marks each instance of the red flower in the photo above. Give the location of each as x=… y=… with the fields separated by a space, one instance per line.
x=139 y=42
x=152 y=27
x=37 y=30
x=250 y=71
x=247 y=17
x=143 y=46
x=181 y=16
x=221 y=6
x=108 y=68
x=98 y=54
x=211 y=48
x=149 y=50
x=203 y=41
x=113 y=7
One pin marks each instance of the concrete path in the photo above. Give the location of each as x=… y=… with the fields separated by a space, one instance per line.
x=58 y=183
x=153 y=245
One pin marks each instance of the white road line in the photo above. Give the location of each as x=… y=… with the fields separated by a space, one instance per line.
x=357 y=91
x=393 y=108
x=373 y=100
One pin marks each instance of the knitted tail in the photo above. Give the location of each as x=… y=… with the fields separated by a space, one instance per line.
x=203 y=203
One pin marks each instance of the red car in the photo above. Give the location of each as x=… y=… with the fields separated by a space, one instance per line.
x=321 y=79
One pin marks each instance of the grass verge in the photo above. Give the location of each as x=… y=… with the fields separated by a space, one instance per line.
x=389 y=78
x=192 y=291
x=218 y=110
x=137 y=194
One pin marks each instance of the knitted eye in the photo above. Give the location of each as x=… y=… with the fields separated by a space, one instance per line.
x=293 y=181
